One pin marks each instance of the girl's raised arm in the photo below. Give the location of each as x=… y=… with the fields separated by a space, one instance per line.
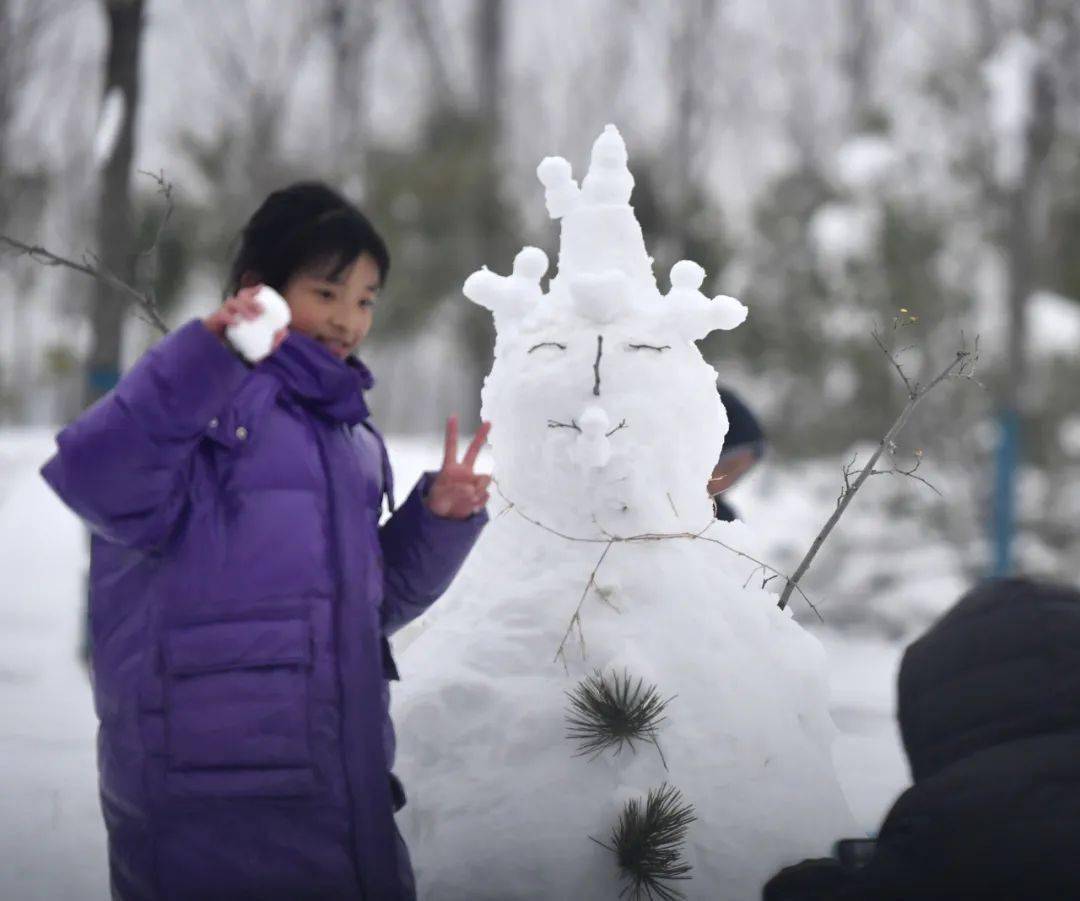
x=123 y=465
x=426 y=541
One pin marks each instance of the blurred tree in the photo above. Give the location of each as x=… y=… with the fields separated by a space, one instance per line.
x=24 y=186
x=245 y=158
x=115 y=217
x=440 y=201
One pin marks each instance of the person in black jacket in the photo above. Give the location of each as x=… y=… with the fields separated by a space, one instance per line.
x=989 y=711
x=744 y=446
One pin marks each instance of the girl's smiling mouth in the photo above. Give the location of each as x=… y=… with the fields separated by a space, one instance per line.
x=338 y=348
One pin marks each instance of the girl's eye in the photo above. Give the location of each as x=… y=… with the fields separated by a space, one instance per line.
x=324 y=293
x=367 y=303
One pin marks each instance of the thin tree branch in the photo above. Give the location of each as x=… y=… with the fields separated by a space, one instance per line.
x=895 y=363
x=960 y=365
x=91 y=267
x=576 y=618
x=611 y=539
x=165 y=189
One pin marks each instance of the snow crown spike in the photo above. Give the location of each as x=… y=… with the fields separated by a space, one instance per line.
x=510 y=296
x=609 y=180
x=605 y=272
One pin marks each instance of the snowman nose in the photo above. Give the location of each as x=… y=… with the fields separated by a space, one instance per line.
x=596 y=365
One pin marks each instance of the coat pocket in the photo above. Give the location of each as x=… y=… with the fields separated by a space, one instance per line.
x=236 y=706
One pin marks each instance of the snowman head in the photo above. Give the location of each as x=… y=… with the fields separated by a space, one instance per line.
x=605 y=413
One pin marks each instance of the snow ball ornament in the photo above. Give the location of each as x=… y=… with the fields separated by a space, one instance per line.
x=592 y=447
x=562 y=192
x=510 y=297
x=694 y=313
x=597 y=296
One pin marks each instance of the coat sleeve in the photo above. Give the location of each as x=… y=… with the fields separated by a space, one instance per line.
x=422 y=553
x=123 y=465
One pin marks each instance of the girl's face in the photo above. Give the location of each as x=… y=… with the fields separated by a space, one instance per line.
x=335 y=312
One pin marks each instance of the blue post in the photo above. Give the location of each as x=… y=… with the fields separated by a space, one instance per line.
x=102 y=379
x=1008 y=457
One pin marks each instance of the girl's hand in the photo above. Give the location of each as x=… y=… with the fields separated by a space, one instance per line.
x=457 y=491
x=242 y=305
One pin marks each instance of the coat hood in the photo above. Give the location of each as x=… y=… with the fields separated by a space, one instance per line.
x=1002 y=665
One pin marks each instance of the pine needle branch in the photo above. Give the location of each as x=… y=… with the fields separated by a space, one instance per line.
x=648 y=844
x=614 y=712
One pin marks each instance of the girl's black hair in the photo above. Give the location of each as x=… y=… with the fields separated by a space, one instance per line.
x=302 y=227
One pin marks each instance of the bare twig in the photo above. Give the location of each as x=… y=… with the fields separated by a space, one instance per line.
x=165 y=189
x=575 y=620
x=895 y=363
x=621 y=425
x=596 y=365
x=572 y=424
x=909 y=473
x=959 y=366
x=92 y=267
x=610 y=539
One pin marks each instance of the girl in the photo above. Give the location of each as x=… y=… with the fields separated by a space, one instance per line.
x=242 y=588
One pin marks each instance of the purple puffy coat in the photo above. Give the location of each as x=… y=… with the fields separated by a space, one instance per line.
x=241 y=589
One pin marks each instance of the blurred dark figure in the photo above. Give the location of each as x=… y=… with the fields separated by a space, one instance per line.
x=744 y=446
x=989 y=710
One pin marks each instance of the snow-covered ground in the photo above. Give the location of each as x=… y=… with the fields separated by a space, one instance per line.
x=52 y=844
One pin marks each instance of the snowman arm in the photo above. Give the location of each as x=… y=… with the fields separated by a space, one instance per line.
x=422 y=553
x=123 y=466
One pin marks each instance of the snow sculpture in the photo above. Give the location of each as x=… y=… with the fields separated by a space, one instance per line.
x=606 y=426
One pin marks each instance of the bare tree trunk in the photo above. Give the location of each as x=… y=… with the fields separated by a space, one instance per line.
x=1021 y=259
x=692 y=38
x=1023 y=231
x=858 y=57
x=115 y=225
x=6 y=89
x=351 y=28
x=489 y=66
x=439 y=70
x=489 y=71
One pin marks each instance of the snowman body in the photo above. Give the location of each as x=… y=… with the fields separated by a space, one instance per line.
x=602 y=555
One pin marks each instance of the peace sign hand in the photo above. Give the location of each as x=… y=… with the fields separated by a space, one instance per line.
x=457 y=492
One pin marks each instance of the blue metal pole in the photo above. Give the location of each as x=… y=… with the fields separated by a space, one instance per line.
x=1008 y=458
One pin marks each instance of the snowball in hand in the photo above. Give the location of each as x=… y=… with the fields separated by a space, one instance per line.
x=254 y=338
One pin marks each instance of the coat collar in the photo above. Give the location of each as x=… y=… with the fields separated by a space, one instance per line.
x=319 y=381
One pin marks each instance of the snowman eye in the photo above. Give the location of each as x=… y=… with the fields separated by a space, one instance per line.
x=547 y=344
x=654 y=347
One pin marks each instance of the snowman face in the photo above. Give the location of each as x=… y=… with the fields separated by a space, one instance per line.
x=603 y=418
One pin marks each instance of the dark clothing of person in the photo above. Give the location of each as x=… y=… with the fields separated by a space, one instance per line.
x=744 y=433
x=989 y=711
